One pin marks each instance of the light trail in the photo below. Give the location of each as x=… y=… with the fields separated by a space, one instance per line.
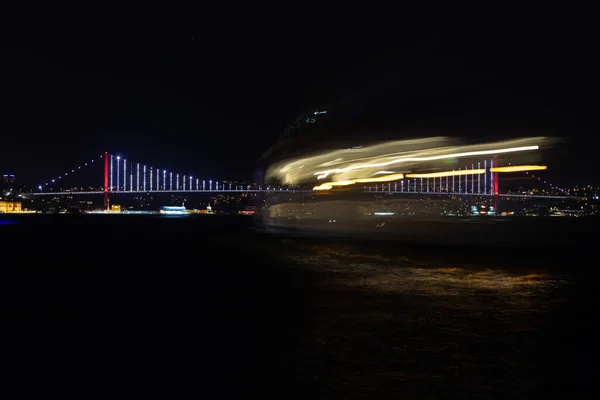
x=386 y=178
x=448 y=173
x=519 y=168
x=324 y=174
x=402 y=156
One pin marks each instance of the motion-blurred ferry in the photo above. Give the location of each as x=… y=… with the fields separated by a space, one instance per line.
x=173 y=210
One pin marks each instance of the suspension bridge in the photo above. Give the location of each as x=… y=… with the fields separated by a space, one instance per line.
x=123 y=176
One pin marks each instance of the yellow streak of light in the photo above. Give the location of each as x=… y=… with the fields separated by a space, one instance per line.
x=448 y=173
x=323 y=186
x=387 y=178
x=341 y=183
x=519 y=168
x=324 y=174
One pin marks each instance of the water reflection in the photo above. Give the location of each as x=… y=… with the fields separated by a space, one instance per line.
x=403 y=275
x=424 y=328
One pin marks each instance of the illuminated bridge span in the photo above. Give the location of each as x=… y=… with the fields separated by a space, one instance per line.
x=502 y=195
x=122 y=176
x=221 y=189
x=282 y=190
x=478 y=179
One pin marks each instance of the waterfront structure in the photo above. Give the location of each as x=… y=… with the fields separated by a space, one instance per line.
x=10 y=206
x=8 y=178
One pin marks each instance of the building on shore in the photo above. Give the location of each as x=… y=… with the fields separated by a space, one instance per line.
x=8 y=178
x=10 y=206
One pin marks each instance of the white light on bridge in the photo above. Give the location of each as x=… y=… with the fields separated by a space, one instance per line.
x=131 y=177
x=491 y=177
x=478 y=179
x=485 y=177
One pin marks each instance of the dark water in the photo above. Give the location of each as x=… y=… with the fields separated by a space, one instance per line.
x=116 y=305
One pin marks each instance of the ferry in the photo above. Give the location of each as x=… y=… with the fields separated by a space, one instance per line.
x=173 y=210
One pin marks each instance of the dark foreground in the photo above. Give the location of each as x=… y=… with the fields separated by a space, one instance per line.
x=172 y=307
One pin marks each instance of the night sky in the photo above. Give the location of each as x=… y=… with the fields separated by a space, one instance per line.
x=206 y=90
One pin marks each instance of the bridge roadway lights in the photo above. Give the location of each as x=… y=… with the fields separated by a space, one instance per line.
x=171 y=191
x=504 y=195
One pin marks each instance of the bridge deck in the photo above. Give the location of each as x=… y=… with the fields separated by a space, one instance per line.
x=504 y=195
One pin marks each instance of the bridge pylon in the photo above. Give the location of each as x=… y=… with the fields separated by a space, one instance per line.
x=106 y=169
x=495 y=187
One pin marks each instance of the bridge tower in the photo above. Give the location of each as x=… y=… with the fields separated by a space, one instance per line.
x=106 y=199
x=495 y=186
